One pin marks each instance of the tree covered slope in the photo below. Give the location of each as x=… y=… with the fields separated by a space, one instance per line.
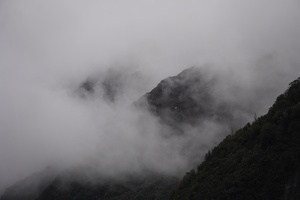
x=259 y=161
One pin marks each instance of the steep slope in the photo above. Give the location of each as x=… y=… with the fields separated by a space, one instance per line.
x=260 y=161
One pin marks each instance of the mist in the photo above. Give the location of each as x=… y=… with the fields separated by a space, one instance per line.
x=49 y=48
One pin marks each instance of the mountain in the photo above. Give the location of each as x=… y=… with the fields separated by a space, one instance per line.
x=183 y=99
x=259 y=161
x=190 y=98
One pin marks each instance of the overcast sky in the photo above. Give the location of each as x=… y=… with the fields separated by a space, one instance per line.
x=47 y=48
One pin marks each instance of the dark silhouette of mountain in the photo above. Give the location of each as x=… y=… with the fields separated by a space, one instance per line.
x=259 y=161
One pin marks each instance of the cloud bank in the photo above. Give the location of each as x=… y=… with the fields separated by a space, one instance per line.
x=48 y=48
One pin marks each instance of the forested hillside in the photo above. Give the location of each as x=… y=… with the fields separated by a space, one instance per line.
x=260 y=161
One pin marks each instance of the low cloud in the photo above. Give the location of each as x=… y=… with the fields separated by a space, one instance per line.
x=48 y=49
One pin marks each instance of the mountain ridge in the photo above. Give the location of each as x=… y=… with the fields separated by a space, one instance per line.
x=171 y=98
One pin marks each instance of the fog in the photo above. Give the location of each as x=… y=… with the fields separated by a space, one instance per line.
x=49 y=48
